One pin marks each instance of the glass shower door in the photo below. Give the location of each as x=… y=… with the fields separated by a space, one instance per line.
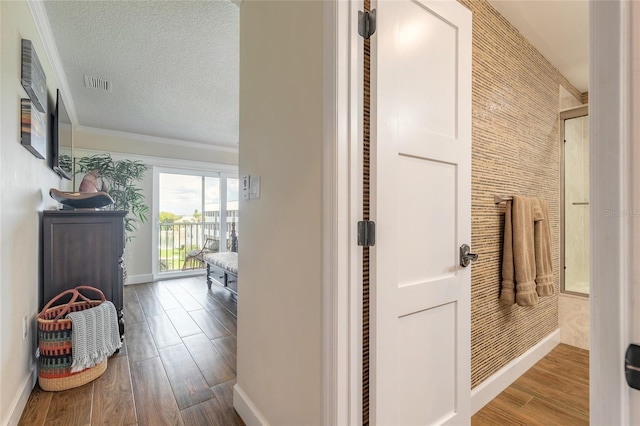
x=576 y=205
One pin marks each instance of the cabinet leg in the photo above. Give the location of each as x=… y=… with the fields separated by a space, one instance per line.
x=121 y=324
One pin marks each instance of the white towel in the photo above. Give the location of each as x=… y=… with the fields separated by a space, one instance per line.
x=95 y=335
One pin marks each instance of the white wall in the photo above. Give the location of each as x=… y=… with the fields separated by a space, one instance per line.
x=24 y=193
x=280 y=259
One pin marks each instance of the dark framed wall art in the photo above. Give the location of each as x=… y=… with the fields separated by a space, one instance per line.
x=33 y=111
x=33 y=78
x=33 y=129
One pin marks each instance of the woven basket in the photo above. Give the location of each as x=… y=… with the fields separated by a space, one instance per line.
x=55 y=342
x=74 y=380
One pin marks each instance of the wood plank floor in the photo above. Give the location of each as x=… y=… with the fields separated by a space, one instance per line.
x=177 y=367
x=555 y=391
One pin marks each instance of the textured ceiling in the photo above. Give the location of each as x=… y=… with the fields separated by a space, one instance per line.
x=173 y=66
x=559 y=29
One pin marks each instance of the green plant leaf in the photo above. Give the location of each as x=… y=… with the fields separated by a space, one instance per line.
x=121 y=178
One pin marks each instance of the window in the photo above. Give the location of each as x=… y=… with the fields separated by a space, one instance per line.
x=193 y=209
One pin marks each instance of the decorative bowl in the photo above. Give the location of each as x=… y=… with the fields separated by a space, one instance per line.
x=81 y=200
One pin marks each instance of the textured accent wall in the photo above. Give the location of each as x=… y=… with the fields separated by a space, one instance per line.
x=516 y=150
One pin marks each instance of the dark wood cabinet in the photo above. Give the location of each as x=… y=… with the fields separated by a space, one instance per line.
x=223 y=277
x=83 y=247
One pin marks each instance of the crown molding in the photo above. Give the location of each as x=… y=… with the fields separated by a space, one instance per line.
x=43 y=27
x=164 y=163
x=156 y=139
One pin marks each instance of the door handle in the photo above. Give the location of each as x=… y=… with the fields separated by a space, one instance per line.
x=466 y=257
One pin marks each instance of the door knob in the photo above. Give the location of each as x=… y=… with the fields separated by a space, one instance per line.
x=466 y=257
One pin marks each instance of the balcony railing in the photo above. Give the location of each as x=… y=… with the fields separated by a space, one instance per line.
x=177 y=239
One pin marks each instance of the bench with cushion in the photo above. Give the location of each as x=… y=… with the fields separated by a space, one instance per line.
x=223 y=267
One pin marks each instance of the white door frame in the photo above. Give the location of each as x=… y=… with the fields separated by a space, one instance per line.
x=634 y=297
x=342 y=258
x=611 y=209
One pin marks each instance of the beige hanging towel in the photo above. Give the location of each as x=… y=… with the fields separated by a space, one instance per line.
x=508 y=292
x=520 y=261
x=544 y=265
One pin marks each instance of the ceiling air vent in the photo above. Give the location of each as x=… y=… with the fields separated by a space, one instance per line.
x=97 y=83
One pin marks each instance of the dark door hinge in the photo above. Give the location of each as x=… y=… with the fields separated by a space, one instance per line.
x=366 y=23
x=632 y=366
x=366 y=233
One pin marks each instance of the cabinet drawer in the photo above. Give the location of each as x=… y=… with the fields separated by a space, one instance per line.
x=217 y=274
x=232 y=282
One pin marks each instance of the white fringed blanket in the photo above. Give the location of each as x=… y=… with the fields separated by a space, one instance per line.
x=226 y=260
x=95 y=335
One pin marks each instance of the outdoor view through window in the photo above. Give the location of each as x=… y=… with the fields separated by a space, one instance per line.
x=192 y=212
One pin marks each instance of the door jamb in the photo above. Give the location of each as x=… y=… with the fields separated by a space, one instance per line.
x=611 y=194
x=342 y=181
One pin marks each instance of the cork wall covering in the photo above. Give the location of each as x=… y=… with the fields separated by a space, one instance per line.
x=515 y=150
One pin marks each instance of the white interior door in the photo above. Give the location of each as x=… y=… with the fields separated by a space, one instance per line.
x=421 y=175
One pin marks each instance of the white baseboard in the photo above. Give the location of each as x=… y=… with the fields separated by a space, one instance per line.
x=246 y=409
x=482 y=394
x=181 y=274
x=22 y=396
x=139 y=279
x=149 y=278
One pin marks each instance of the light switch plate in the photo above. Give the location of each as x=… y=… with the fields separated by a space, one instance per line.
x=246 y=181
x=25 y=327
x=254 y=187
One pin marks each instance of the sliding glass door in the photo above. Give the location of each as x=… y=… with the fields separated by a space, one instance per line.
x=194 y=212
x=232 y=213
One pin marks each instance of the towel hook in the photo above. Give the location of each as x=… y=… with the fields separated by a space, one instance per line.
x=501 y=198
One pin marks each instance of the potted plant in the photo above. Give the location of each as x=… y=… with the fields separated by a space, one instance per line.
x=119 y=179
